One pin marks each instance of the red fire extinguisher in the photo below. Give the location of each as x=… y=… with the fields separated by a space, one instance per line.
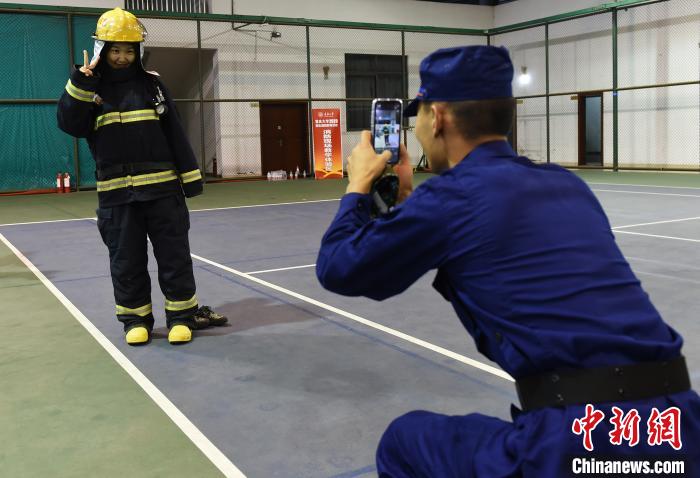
x=66 y=183
x=59 y=182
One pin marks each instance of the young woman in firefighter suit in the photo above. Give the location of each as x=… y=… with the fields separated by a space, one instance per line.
x=525 y=254
x=144 y=164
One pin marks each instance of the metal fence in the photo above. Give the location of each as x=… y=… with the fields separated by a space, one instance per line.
x=640 y=57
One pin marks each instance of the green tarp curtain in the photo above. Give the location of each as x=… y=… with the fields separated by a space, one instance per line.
x=32 y=148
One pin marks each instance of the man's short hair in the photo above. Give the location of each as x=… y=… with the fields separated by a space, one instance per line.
x=475 y=118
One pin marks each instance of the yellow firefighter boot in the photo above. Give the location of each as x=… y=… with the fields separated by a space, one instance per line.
x=137 y=336
x=179 y=334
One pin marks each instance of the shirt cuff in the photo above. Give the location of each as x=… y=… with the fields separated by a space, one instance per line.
x=356 y=204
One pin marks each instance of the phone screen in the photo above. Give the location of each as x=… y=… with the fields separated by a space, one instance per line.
x=386 y=130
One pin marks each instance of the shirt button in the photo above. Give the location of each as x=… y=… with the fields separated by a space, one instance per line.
x=499 y=337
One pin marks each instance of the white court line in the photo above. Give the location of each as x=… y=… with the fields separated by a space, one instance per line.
x=280 y=269
x=338 y=199
x=660 y=237
x=647 y=193
x=191 y=210
x=188 y=428
x=264 y=205
x=49 y=222
x=647 y=185
x=656 y=222
x=414 y=340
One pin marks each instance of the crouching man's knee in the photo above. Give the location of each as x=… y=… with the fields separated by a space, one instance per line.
x=397 y=447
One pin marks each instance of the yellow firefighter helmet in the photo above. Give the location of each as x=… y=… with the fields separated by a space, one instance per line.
x=118 y=25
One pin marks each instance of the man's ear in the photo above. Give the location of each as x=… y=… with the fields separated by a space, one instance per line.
x=437 y=115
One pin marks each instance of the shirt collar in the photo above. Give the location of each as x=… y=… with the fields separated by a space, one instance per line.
x=491 y=149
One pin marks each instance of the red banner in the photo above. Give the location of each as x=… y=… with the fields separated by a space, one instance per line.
x=328 y=150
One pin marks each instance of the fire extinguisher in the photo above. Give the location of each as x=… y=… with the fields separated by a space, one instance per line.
x=66 y=183
x=59 y=182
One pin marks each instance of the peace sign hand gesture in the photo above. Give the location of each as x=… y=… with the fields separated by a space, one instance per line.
x=87 y=68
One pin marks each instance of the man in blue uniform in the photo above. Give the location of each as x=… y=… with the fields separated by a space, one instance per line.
x=525 y=254
x=144 y=167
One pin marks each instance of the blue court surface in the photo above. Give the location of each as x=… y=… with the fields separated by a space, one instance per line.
x=303 y=382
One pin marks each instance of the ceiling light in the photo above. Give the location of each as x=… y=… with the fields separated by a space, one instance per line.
x=524 y=78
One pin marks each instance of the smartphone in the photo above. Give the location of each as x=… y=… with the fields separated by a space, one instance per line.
x=386 y=126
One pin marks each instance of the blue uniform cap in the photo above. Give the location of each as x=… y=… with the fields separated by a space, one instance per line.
x=474 y=72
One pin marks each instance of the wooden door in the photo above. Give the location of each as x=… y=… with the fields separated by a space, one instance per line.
x=284 y=136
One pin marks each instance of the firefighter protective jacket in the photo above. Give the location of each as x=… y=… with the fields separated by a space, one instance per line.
x=139 y=154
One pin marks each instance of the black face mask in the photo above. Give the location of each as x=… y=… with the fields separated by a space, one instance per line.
x=118 y=74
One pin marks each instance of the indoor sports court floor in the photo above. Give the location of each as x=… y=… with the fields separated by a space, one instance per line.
x=302 y=382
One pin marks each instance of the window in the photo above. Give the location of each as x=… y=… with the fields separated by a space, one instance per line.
x=185 y=6
x=372 y=76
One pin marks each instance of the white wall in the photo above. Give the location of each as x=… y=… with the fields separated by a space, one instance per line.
x=106 y=4
x=278 y=69
x=251 y=65
x=402 y=12
x=656 y=44
x=525 y=10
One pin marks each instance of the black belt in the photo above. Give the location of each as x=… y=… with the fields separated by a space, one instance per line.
x=118 y=170
x=639 y=381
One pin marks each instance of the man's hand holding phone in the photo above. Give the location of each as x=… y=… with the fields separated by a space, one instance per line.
x=364 y=165
x=376 y=151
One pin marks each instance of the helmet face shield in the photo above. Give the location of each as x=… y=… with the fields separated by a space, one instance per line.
x=97 y=50
x=99 y=46
x=118 y=25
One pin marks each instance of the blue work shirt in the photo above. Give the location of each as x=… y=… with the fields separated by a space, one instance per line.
x=525 y=254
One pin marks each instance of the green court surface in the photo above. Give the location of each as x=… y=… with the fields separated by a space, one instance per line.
x=66 y=408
